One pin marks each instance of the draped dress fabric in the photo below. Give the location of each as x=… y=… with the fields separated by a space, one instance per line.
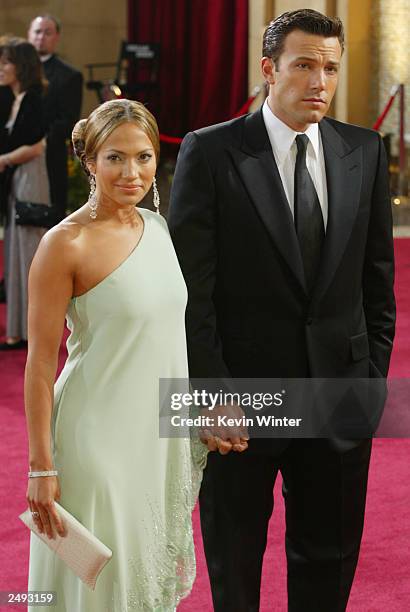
x=133 y=490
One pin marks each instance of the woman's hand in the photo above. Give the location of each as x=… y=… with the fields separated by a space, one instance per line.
x=225 y=438
x=4 y=162
x=41 y=493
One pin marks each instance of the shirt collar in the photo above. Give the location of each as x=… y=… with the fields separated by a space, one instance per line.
x=45 y=58
x=282 y=137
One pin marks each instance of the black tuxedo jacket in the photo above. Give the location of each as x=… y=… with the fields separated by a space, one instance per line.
x=249 y=313
x=62 y=110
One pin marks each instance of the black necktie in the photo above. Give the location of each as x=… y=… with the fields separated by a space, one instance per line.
x=308 y=215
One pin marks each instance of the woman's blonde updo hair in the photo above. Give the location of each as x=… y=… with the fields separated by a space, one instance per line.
x=89 y=134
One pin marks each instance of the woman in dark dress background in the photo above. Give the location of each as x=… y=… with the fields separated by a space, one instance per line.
x=23 y=174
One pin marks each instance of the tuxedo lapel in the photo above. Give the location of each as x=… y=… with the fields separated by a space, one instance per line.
x=344 y=178
x=258 y=170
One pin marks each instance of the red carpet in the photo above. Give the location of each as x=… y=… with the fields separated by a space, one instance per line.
x=382 y=581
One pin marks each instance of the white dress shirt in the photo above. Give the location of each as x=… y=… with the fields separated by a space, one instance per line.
x=282 y=139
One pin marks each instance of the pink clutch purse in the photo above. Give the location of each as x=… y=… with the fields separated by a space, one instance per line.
x=82 y=551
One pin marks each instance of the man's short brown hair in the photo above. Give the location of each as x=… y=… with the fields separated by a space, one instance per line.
x=307 y=20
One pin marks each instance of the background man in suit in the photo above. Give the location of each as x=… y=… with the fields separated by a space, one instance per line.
x=282 y=224
x=62 y=104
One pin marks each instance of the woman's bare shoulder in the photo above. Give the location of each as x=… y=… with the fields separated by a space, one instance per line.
x=63 y=242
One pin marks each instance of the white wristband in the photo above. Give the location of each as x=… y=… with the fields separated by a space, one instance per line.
x=45 y=473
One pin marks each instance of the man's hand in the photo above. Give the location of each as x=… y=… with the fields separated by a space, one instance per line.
x=222 y=436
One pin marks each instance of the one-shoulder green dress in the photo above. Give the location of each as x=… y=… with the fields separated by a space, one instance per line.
x=134 y=490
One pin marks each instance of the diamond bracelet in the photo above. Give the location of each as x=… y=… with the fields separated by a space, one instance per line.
x=45 y=473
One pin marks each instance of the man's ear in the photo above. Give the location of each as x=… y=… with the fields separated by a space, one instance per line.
x=268 y=70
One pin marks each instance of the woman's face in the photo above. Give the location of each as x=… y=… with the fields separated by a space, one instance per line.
x=7 y=72
x=125 y=166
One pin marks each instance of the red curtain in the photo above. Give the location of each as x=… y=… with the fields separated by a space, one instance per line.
x=203 y=77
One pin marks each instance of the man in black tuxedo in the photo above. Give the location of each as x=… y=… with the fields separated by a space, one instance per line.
x=62 y=104
x=282 y=224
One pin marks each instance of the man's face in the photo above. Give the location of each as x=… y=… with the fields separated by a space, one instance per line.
x=43 y=35
x=303 y=85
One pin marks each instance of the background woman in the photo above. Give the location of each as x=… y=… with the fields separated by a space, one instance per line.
x=112 y=269
x=23 y=175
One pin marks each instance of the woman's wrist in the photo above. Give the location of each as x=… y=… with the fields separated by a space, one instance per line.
x=41 y=465
x=42 y=473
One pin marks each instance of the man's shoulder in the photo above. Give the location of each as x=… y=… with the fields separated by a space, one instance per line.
x=351 y=133
x=63 y=67
x=226 y=132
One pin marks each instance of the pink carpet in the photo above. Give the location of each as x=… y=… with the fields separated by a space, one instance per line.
x=382 y=581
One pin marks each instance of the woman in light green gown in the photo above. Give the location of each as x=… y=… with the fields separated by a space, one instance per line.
x=111 y=270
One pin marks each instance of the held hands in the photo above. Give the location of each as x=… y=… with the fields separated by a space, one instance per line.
x=41 y=493
x=224 y=437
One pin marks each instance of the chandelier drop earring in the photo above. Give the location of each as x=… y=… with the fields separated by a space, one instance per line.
x=92 y=199
x=156 y=195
